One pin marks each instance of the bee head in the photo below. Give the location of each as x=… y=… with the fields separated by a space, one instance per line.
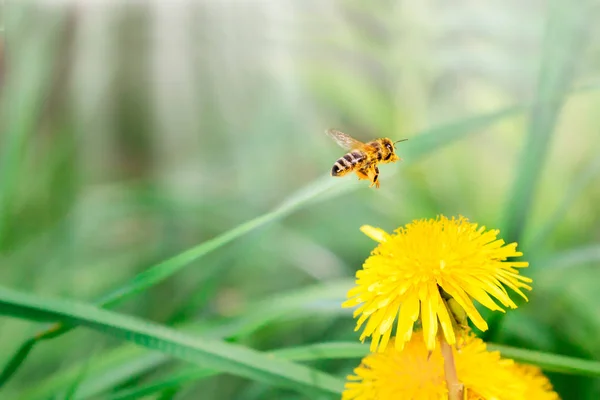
x=390 y=151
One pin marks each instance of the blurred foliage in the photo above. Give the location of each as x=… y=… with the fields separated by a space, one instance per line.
x=133 y=132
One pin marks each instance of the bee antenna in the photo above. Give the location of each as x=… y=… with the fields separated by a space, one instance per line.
x=401 y=140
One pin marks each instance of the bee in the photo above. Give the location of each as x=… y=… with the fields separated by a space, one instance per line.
x=363 y=158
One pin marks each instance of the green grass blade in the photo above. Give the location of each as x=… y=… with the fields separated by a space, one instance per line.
x=580 y=182
x=324 y=351
x=114 y=367
x=546 y=361
x=163 y=270
x=420 y=146
x=177 y=379
x=23 y=351
x=74 y=386
x=563 y=39
x=167 y=268
x=186 y=375
x=110 y=369
x=25 y=89
x=439 y=137
x=550 y=362
x=13 y=364
x=572 y=257
x=225 y=357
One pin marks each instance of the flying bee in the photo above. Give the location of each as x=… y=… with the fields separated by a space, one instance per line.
x=363 y=158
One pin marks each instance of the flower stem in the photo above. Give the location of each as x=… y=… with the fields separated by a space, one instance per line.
x=455 y=388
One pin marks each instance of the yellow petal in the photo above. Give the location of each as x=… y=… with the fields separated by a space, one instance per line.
x=409 y=312
x=429 y=306
x=446 y=323
x=377 y=234
x=475 y=290
x=467 y=304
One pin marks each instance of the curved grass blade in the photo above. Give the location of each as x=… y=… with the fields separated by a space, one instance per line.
x=550 y=362
x=418 y=147
x=344 y=350
x=165 y=269
x=573 y=257
x=186 y=375
x=204 y=352
x=440 y=137
x=580 y=182
x=13 y=364
x=118 y=365
x=177 y=379
x=114 y=367
x=74 y=386
x=563 y=40
x=23 y=95
x=546 y=361
x=110 y=370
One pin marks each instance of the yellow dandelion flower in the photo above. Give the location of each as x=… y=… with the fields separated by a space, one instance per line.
x=405 y=273
x=538 y=387
x=414 y=373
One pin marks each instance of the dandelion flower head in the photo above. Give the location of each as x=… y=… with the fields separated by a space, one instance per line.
x=403 y=277
x=415 y=374
x=538 y=386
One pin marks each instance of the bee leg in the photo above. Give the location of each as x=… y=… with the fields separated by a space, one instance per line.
x=369 y=171
x=362 y=175
x=375 y=180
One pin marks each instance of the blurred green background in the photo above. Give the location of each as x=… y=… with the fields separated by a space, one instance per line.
x=132 y=131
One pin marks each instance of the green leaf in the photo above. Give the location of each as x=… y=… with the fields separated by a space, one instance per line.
x=546 y=361
x=116 y=366
x=572 y=193
x=440 y=137
x=110 y=369
x=324 y=351
x=563 y=38
x=562 y=44
x=15 y=361
x=163 y=270
x=72 y=391
x=22 y=103
x=549 y=362
x=186 y=375
x=204 y=352
x=177 y=379
x=571 y=258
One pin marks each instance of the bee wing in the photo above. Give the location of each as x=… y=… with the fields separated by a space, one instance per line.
x=343 y=140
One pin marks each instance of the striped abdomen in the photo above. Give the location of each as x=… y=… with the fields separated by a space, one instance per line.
x=347 y=163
